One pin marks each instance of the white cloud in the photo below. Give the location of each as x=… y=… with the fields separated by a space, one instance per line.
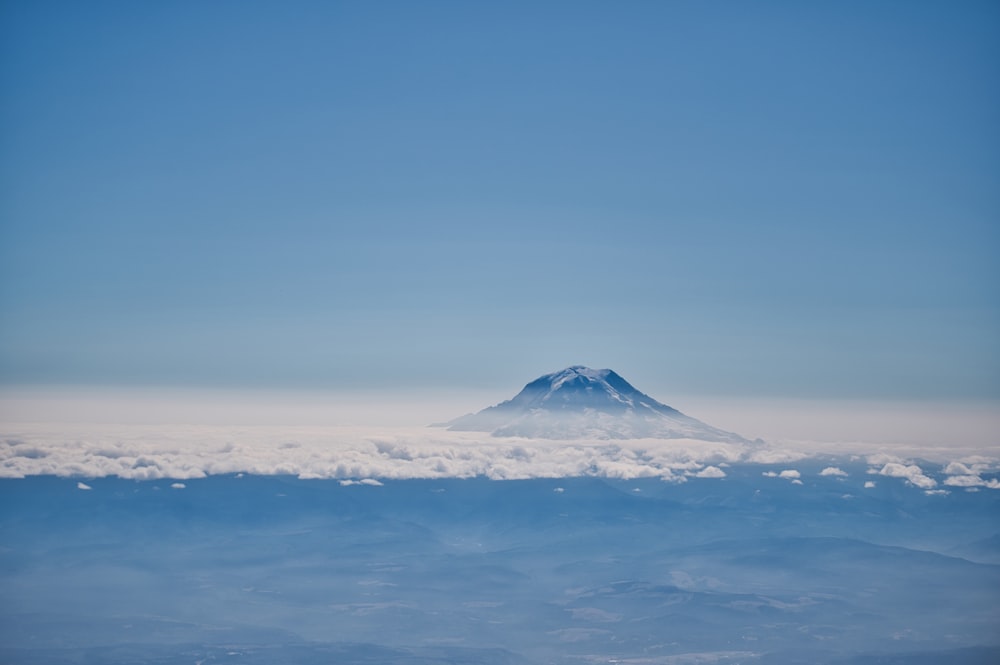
x=559 y=490
x=957 y=469
x=879 y=459
x=937 y=492
x=776 y=456
x=711 y=472
x=366 y=455
x=971 y=480
x=788 y=474
x=371 y=482
x=869 y=484
x=178 y=486
x=83 y=486
x=963 y=481
x=348 y=453
x=912 y=473
x=966 y=473
x=832 y=471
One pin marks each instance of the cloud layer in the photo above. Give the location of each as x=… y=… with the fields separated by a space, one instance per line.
x=361 y=454
x=143 y=453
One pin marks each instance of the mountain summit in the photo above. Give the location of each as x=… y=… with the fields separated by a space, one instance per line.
x=583 y=403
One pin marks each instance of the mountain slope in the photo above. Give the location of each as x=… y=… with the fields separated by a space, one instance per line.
x=580 y=402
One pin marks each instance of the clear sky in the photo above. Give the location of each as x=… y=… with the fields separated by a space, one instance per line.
x=733 y=198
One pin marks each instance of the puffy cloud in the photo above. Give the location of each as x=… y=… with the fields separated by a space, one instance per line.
x=832 y=471
x=869 y=484
x=971 y=480
x=371 y=482
x=787 y=474
x=796 y=482
x=711 y=472
x=83 y=486
x=963 y=481
x=912 y=473
x=178 y=486
x=957 y=469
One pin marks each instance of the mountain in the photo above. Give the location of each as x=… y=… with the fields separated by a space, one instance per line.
x=579 y=402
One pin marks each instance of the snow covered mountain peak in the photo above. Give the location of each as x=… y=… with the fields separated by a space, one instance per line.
x=578 y=373
x=580 y=402
x=581 y=387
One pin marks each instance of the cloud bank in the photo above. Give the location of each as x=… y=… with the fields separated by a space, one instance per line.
x=368 y=455
x=349 y=453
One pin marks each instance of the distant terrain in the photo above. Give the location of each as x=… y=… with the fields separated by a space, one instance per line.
x=749 y=568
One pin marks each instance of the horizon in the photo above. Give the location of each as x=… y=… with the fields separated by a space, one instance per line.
x=775 y=419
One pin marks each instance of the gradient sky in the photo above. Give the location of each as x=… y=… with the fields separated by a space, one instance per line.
x=772 y=198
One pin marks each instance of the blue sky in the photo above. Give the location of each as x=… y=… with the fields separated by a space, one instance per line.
x=752 y=199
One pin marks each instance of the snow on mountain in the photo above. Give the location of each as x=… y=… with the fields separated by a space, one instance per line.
x=583 y=403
